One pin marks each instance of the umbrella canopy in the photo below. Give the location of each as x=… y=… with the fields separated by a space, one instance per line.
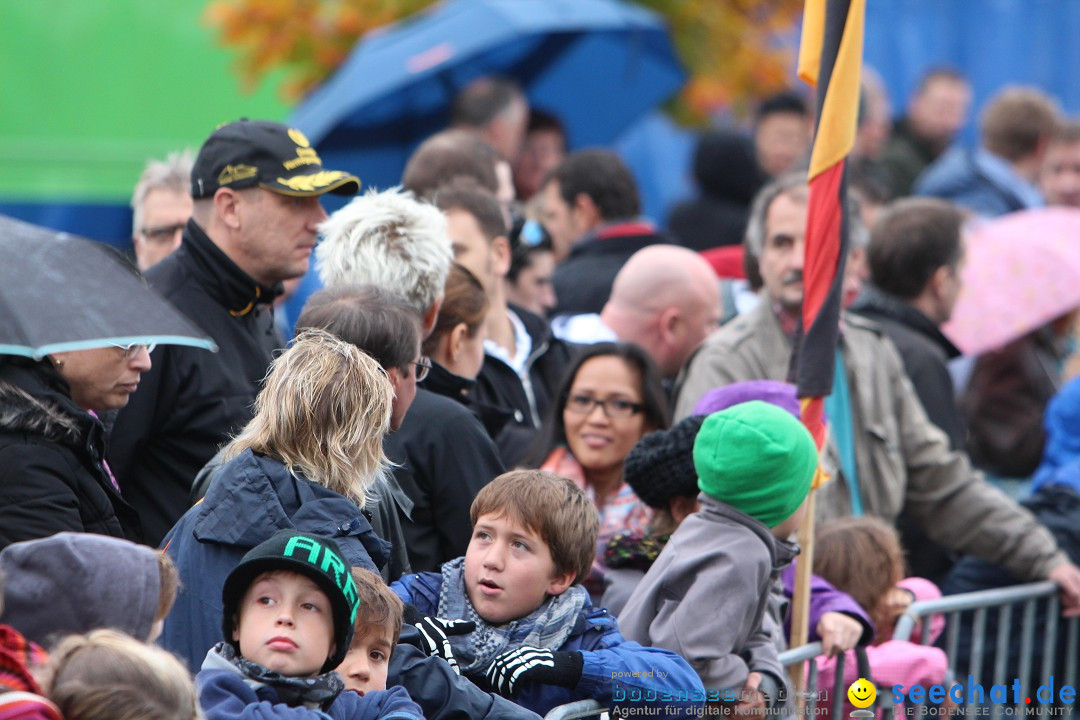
x=597 y=64
x=59 y=292
x=1020 y=272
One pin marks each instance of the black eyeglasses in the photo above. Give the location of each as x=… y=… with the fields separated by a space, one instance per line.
x=133 y=349
x=423 y=367
x=613 y=407
x=162 y=233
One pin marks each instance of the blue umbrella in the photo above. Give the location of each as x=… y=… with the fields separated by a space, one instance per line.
x=59 y=292
x=597 y=64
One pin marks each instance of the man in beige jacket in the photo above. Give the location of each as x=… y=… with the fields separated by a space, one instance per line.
x=886 y=456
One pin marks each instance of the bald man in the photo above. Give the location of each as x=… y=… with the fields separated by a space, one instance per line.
x=666 y=299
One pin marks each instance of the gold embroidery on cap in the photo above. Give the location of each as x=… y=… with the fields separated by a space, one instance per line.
x=298 y=138
x=304 y=156
x=315 y=181
x=232 y=173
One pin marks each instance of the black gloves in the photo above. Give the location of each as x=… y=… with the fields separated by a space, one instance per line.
x=537 y=665
x=434 y=633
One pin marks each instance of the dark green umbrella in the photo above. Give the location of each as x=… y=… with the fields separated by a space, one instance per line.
x=60 y=292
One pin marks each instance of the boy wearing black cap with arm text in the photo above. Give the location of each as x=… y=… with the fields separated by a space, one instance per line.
x=706 y=594
x=289 y=608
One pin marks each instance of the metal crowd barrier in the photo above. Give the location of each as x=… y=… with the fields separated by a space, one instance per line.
x=812 y=697
x=998 y=660
x=1032 y=609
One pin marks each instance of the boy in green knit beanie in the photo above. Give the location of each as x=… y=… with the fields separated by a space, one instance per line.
x=706 y=594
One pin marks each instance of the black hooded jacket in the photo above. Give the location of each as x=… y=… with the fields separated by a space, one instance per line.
x=52 y=475
x=443 y=457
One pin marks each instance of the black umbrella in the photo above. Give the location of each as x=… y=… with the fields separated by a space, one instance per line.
x=59 y=292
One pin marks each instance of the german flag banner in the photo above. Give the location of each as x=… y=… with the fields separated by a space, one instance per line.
x=830 y=59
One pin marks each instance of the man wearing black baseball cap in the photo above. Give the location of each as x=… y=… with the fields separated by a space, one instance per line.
x=256 y=187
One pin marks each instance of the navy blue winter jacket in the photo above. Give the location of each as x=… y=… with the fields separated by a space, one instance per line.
x=616 y=672
x=224 y=695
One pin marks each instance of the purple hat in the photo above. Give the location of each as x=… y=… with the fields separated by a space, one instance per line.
x=775 y=392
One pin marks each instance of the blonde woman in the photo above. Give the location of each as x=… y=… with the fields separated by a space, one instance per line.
x=107 y=675
x=306 y=461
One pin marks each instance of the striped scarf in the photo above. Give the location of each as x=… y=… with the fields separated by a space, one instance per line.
x=549 y=626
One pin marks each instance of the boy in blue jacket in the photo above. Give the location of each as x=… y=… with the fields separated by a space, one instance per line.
x=538 y=639
x=289 y=608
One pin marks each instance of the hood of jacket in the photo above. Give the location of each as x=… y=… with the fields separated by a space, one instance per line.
x=77 y=582
x=726 y=167
x=1061 y=456
x=34 y=400
x=255 y=496
x=781 y=551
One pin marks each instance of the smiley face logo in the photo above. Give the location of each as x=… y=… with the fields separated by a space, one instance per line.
x=862 y=693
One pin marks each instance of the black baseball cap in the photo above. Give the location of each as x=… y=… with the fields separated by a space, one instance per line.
x=318 y=558
x=260 y=153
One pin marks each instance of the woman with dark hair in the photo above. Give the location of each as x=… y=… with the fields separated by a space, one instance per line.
x=456 y=343
x=611 y=397
x=532 y=265
x=456 y=350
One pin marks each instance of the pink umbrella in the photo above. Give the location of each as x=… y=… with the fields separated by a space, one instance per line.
x=1021 y=271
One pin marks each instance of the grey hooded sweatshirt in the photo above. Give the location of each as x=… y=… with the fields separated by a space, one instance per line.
x=707 y=593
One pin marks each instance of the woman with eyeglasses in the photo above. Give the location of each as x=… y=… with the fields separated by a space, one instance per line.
x=53 y=475
x=612 y=397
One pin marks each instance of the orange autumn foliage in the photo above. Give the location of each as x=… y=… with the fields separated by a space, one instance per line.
x=735 y=50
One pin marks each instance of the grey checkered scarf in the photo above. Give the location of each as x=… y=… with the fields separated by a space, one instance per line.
x=548 y=626
x=317 y=692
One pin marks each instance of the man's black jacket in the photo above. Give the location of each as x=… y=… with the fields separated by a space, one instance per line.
x=192 y=400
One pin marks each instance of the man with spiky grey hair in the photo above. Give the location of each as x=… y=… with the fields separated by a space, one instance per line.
x=442 y=452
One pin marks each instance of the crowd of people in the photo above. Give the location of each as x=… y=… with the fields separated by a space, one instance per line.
x=526 y=447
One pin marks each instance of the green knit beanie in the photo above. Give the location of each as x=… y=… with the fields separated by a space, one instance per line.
x=757 y=458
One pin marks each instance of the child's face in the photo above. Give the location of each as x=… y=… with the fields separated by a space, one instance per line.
x=285 y=624
x=509 y=570
x=364 y=667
